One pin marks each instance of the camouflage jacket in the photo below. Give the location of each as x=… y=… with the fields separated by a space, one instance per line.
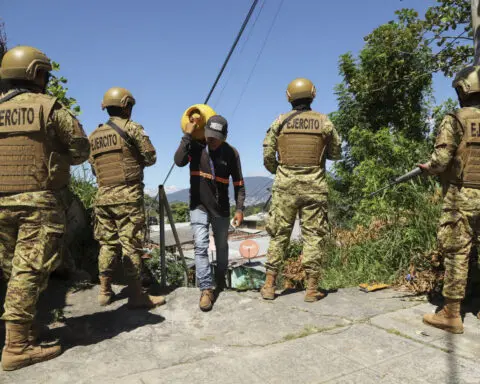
x=120 y=194
x=62 y=124
x=299 y=179
x=448 y=138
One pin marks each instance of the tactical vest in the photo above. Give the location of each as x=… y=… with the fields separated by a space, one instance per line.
x=115 y=162
x=30 y=160
x=465 y=167
x=302 y=139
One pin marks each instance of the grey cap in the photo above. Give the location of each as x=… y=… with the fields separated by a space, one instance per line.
x=216 y=127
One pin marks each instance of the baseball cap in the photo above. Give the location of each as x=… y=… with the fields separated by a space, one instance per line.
x=216 y=127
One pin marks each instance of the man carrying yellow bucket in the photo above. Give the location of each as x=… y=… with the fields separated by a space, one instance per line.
x=212 y=162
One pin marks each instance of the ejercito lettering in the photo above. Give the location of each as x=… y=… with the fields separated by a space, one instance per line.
x=17 y=117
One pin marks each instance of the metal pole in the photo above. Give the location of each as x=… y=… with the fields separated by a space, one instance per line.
x=175 y=234
x=476 y=30
x=163 y=266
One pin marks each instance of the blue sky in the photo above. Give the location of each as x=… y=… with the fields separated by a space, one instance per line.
x=168 y=53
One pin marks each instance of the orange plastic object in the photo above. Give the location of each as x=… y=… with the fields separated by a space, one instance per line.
x=248 y=249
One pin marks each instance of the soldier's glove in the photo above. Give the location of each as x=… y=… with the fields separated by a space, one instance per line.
x=425 y=168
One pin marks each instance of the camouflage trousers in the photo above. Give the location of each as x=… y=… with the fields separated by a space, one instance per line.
x=120 y=231
x=314 y=223
x=458 y=231
x=30 y=241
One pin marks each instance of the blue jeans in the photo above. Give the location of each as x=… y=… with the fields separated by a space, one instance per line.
x=200 y=222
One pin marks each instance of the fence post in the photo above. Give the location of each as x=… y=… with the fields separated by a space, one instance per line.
x=161 y=207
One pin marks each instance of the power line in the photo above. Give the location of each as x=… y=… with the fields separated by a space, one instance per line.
x=242 y=28
x=239 y=54
x=245 y=22
x=258 y=190
x=257 y=59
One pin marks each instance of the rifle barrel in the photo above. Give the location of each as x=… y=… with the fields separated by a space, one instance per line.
x=401 y=179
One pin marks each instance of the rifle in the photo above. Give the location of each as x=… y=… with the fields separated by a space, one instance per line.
x=410 y=175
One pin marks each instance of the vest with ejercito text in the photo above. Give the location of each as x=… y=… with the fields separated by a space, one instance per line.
x=30 y=159
x=302 y=139
x=115 y=162
x=465 y=167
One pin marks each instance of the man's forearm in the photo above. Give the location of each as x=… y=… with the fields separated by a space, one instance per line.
x=181 y=155
x=240 y=198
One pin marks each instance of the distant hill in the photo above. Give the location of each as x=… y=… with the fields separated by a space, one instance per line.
x=181 y=196
x=257 y=187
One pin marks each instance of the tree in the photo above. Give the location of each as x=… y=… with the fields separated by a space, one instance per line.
x=3 y=40
x=180 y=212
x=450 y=25
x=151 y=207
x=56 y=87
x=383 y=110
x=3 y=45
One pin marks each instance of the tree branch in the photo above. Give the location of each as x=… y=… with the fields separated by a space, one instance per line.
x=455 y=37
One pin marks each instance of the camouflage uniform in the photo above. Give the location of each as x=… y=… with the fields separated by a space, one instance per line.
x=120 y=213
x=32 y=225
x=302 y=190
x=459 y=227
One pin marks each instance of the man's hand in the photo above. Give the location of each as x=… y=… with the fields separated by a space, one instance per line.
x=194 y=120
x=425 y=168
x=190 y=127
x=237 y=219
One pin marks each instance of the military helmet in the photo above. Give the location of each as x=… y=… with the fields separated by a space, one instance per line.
x=117 y=97
x=300 y=88
x=467 y=81
x=25 y=63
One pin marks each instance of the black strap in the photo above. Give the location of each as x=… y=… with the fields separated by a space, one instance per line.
x=284 y=122
x=120 y=131
x=12 y=95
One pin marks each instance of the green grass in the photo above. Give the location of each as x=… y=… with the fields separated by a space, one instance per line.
x=403 y=242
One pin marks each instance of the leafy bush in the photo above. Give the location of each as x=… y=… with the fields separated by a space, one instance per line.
x=389 y=248
x=175 y=271
x=83 y=184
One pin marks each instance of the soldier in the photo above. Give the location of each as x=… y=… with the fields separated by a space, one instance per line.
x=120 y=149
x=211 y=166
x=303 y=139
x=39 y=140
x=456 y=158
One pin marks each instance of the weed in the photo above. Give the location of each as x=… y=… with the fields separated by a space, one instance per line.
x=175 y=271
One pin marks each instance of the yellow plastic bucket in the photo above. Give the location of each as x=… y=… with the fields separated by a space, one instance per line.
x=205 y=112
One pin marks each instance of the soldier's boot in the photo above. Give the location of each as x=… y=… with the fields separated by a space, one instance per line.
x=19 y=352
x=448 y=319
x=206 y=300
x=268 y=289
x=312 y=293
x=106 y=294
x=138 y=298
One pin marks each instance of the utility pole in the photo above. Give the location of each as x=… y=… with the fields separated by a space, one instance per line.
x=476 y=30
